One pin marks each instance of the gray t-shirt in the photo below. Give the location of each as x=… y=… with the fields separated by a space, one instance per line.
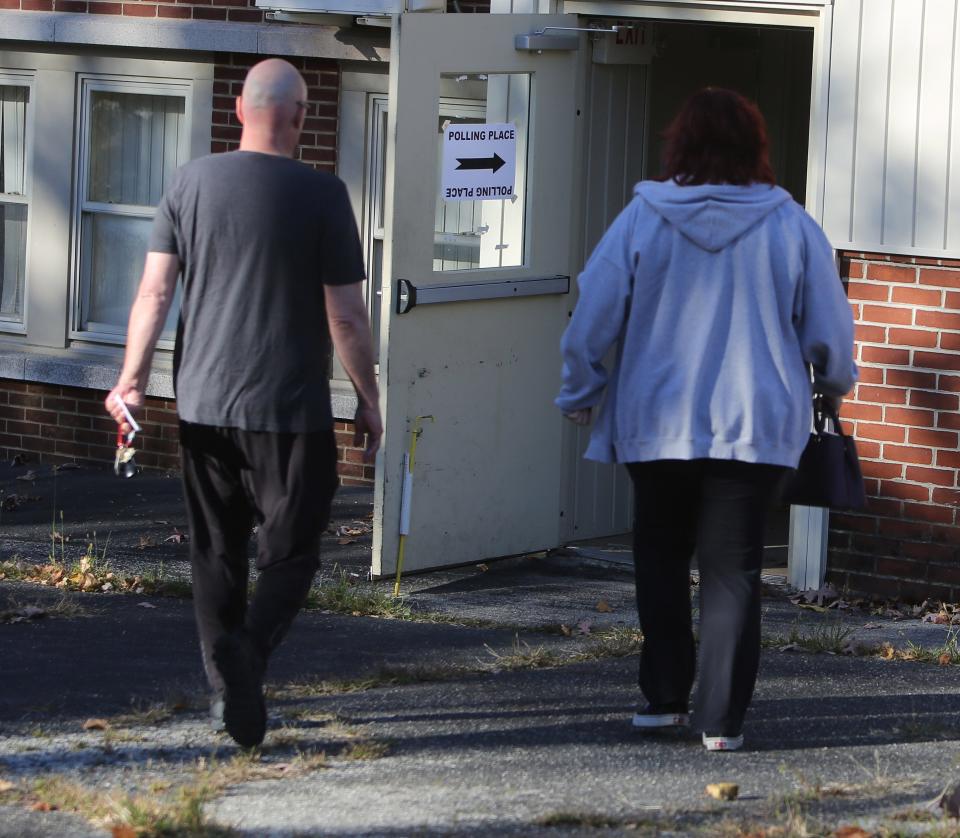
x=258 y=236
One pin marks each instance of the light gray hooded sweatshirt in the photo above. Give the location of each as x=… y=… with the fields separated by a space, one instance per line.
x=716 y=297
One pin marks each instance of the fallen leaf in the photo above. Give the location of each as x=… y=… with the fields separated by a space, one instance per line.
x=355 y=528
x=723 y=791
x=43 y=806
x=483 y=568
x=945 y=659
x=566 y=631
x=852 y=832
x=96 y=724
x=146 y=541
x=6 y=785
x=604 y=607
x=887 y=652
x=123 y=831
x=938 y=619
x=346 y=541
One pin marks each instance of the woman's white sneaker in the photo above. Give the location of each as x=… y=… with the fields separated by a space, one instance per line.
x=657 y=717
x=722 y=743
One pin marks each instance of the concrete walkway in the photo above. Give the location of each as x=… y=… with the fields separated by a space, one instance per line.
x=496 y=702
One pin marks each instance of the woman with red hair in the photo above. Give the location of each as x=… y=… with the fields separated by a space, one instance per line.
x=719 y=293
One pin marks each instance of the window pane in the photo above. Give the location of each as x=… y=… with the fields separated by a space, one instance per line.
x=13 y=255
x=114 y=247
x=134 y=138
x=13 y=132
x=481 y=200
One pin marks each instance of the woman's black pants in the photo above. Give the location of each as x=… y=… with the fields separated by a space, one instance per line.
x=716 y=509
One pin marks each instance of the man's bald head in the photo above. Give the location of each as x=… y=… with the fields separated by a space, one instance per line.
x=272 y=107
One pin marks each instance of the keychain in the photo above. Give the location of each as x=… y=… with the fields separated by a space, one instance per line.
x=123 y=464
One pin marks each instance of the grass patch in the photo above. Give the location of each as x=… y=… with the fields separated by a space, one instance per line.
x=157 y=712
x=168 y=810
x=837 y=639
x=831 y=639
x=616 y=642
x=524 y=656
x=177 y=812
x=365 y=750
x=345 y=596
x=570 y=820
x=22 y=612
x=92 y=573
x=580 y=821
x=384 y=677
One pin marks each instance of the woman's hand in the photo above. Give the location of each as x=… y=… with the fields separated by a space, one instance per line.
x=579 y=417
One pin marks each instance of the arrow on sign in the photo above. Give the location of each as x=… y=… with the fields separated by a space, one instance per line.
x=494 y=163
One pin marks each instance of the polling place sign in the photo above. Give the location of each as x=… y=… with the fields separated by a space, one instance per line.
x=479 y=162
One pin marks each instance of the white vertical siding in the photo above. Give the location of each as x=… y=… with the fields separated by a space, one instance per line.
x=615 y=146
x=893 y=156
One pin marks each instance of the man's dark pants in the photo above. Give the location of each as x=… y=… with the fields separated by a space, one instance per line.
x=716 y=508
x=284 y=482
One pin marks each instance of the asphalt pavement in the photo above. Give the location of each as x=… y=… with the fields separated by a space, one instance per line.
x=495 y=701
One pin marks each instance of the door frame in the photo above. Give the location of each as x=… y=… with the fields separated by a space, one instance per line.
x=807 y=551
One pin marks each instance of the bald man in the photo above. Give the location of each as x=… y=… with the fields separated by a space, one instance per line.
x=272 y=269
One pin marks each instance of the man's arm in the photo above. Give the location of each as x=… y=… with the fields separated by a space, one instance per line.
x=147 y=316
x=350 y=333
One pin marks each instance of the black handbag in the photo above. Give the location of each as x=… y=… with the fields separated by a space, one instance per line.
x=828 y=473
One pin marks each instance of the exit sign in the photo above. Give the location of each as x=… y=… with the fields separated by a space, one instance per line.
x=632 y=44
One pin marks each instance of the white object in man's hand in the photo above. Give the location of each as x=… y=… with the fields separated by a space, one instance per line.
x=579 y=417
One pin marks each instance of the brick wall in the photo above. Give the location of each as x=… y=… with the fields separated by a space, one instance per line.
x=52 y=424
x=318 y=143
x=241 y=11
x=905 y=414
x=66 y=424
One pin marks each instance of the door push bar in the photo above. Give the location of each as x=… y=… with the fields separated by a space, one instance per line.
x=409 y=295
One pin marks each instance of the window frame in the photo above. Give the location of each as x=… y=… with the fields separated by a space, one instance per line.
x=87 y=84
x=22 y=78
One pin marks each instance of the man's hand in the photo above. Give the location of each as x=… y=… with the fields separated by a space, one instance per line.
x=132 y=396
x=580 y=417
x=368 y=423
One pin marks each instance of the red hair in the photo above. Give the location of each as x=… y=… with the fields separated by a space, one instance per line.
x=718 y=136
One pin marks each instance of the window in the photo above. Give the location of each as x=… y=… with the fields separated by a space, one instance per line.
x=133 y=137
x=476 y=229
x=14 y=196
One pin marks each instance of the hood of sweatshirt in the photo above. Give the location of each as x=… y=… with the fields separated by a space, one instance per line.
x=712 y=216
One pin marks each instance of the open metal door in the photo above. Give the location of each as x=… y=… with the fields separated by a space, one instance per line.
x=482 y=282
